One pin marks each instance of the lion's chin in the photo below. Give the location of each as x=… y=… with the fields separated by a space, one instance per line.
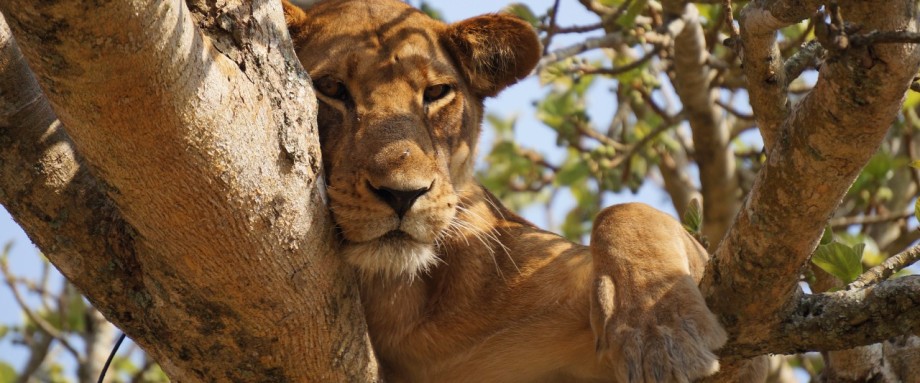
x=394 y=255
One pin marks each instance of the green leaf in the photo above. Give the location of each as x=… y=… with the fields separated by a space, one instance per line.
x=155 y=375
x=56 y=374
x=840 y=260
x=828 y=236
x=121 y=364
x=7 y=373
x=431 y=11
x=917 y=208
x=912 y=100
x=575 y=226
x=693 y=217
x=628 y=19
x=571 y=173
x=504 y=127
x=76 y=312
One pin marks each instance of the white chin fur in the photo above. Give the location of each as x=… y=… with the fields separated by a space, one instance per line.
x=388 y=258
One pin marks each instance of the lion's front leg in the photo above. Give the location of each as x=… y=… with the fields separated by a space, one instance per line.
x=650 y=321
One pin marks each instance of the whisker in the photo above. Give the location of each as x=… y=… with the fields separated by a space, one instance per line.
x=484 y=237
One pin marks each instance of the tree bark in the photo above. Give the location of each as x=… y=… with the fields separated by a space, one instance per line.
x=711 y=138
x=184 y=198
x=818 y=148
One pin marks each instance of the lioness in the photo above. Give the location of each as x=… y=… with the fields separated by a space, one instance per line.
x=457 y=288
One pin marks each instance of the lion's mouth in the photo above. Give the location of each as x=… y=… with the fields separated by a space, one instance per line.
x=397 y=235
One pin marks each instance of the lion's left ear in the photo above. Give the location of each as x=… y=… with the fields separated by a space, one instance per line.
x=494 y=51
x=296 y=19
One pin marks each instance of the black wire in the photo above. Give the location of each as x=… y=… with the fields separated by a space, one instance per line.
x=111 y=356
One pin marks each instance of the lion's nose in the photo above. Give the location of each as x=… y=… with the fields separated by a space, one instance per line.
x=400 y=200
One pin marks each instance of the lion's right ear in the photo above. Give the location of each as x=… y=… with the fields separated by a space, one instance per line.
x=494 y=51
x=296 y=20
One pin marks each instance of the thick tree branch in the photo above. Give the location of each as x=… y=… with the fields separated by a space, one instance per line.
x=676 y=182
x=763 y=63
x=47 y=188
x=886 y=37
x=711 y=134
x=768 y=16
x=766 y=77
x=825 y=141
x=841 y=320
x=208 y=148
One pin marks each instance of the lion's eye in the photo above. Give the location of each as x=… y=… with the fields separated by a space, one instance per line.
x=331 y=87
x=436 y=92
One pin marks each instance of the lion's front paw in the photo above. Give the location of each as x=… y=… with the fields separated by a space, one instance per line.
x=673 y=341
x=657 y=353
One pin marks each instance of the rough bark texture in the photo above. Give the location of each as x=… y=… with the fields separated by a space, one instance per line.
x=715 y=157
x=207 y=241
x=819 y=148
x=183 y=197
x=841 y=320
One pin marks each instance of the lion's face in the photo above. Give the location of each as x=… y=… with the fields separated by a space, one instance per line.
x=400 y=103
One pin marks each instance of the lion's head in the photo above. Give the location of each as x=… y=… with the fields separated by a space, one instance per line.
x=400 y=106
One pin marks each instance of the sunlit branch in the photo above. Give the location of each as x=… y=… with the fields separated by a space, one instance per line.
x=585 y=70
x=607 y=41
x=868 y=220
x=809 y=56
x=890 y=266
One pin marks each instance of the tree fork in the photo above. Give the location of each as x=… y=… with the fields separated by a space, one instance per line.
x=820 y=146
x=206 y=238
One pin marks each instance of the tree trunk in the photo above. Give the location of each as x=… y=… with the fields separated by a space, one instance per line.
x=184 y=196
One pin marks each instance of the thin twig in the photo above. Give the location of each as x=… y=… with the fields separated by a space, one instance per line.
x=786 y=45
x=138 y=375
x=734 y=36
x=577 y=28
x=647 y=97
x=807 y=57
x=606 y=41
x=595 y=6
x=634 y=148
x=833 y=35
x=42 y=325
x=597 y=136
x=886 y=269
x=619 y=11
x=885 y=37
x=537 y=158
x=734 y=111
x=615 y=71
x=551 y=31
x=43 y=285
x=868 y=220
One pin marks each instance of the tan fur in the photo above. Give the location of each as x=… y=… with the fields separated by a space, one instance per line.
x=459 y=289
